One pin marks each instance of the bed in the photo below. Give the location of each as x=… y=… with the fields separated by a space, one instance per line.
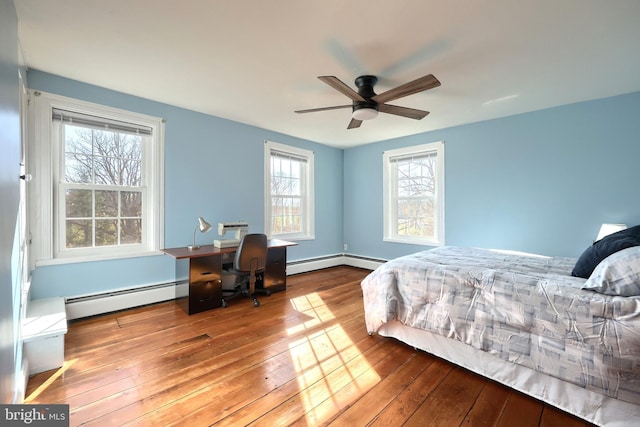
x=523 y=320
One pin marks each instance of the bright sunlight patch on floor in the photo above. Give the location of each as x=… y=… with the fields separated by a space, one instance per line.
x=329 y=366
x=35 y=393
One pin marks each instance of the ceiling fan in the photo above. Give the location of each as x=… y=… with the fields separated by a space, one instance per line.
x=366 y=104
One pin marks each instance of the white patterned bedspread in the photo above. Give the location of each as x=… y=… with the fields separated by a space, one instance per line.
x=522 y=308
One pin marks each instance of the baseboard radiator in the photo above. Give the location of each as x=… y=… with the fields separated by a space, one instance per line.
x=107 y=302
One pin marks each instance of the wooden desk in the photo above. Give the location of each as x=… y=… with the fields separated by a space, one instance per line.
x=205 y=272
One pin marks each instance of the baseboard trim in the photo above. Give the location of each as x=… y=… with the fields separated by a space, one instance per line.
x=306 y=265
x=122 y=299
x=95 y=304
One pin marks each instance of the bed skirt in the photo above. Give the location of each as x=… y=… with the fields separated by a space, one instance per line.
x=592 y=407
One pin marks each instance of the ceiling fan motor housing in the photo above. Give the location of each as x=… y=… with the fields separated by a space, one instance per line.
x=365 y=89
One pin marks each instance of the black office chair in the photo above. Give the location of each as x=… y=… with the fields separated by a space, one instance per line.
x=249 y=262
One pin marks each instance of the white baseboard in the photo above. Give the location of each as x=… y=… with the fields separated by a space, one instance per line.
x=363 y=262
x=305 y=266
x=92 y=305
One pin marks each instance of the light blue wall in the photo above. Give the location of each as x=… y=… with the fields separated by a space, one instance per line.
x=213 y=168
x=541 y=182
x=10 y=344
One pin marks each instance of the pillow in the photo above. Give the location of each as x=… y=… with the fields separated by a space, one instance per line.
x=618 y=274
x=604 y=247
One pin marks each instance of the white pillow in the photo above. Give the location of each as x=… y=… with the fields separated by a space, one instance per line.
x=618 y=274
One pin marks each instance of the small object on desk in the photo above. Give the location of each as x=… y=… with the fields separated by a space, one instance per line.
x=204 y=226
x=226 y=243
x=240 y=228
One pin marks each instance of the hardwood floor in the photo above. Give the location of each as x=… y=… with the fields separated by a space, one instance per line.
x=302 y=358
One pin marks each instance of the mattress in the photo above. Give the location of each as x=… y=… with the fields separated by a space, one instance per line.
x=520 y=308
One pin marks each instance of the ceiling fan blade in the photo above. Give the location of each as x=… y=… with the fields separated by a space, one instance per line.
x=313 y=110
x=418 y=85
x=411 y=113
x=341 y=87
x=354 y=123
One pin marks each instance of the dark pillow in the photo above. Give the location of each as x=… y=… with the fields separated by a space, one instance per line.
x=604 y=247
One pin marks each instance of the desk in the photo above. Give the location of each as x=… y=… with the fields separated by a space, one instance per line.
x=205 y=272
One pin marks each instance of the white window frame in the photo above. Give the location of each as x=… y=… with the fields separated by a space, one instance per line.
x=48 y=244
x=390 y=189
x=308 y=232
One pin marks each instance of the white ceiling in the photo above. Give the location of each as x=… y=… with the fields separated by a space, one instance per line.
x=256 y=61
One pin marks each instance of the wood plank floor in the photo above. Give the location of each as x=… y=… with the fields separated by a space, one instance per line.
x=302 y=358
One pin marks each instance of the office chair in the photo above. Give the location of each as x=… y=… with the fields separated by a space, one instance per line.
x=249 y=261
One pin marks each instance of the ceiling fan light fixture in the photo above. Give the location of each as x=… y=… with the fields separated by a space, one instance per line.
x=365 y=113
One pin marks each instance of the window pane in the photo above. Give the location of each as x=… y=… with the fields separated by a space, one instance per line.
x=285 y=188
x=106 y=203
x=296 y=187
x=131 y=203
x=130 y=146
x=286 y=205
x=107 y=170
x=275 y=184
x=105 y=143
x=106 y=232
x=296 y=170
x=131 y=173
x=78 y=140
x=130 y=231
x=416 y=217
x=284 y=166
x=287 y=215
x=275 y=166
x=78 y=168
x=78 y=203
x=295 y=207
x=404 y=187
x=79 y=233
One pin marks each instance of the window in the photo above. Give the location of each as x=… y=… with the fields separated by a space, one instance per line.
x=102 y=194
x=414 y=194
x=288 y=192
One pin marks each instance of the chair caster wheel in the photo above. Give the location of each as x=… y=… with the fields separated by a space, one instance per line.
x=256 y=303
x=267 y=293
x=224 y=304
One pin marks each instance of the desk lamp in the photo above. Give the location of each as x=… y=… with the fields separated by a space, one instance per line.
x=204 y=226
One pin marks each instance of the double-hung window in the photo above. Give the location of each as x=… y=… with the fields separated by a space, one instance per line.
x=289 y=208
x=413 y=192
x=102 y=194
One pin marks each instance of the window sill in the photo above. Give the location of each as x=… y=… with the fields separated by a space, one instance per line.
x=75 y=260
x=425 y=242
x=292 y=238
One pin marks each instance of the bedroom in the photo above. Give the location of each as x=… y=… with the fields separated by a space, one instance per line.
x=541 y=181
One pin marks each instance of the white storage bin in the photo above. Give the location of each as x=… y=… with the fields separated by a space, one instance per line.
x=43 y=334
